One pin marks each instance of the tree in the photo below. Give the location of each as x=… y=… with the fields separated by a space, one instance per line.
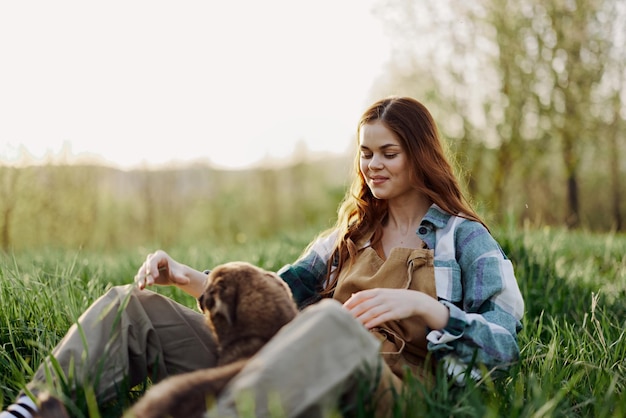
x=614 y=84
x=545 y=72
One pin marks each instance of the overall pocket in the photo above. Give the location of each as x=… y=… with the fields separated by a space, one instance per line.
x=391 y=349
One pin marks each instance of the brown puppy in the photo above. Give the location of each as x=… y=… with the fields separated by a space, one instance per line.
x=245 y=306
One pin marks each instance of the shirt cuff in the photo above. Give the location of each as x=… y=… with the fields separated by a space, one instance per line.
x=457 y=370
x=453 y=330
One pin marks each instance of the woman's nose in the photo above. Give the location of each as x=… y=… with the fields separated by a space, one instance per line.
x=375 y=163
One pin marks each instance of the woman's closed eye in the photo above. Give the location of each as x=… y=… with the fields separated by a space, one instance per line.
x=389 y=156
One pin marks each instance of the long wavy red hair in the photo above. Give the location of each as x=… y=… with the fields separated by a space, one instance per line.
x=361 y=215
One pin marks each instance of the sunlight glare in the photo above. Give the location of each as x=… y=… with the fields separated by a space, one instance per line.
x=149 y=83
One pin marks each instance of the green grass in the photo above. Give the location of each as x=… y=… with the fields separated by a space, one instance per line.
x=573 y=343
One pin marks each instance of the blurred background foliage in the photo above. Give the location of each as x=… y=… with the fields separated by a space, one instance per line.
x=69 y=206
x=529 y=96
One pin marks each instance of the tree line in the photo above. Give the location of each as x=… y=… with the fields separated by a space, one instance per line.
x=101 y=208
x=71 y=206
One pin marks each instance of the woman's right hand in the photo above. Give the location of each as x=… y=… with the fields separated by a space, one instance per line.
x=161 y=269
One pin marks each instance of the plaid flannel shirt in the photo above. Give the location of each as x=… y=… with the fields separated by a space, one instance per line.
x=473 y=277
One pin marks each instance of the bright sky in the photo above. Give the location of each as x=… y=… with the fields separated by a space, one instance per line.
x=139 y=82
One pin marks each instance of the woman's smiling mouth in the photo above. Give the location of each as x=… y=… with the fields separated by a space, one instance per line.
x=378 y=179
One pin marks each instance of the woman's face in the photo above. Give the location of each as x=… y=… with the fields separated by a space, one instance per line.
x=383 y=162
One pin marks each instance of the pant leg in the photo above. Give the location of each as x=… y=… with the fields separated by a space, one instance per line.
x=307 y=367
x=135 y=334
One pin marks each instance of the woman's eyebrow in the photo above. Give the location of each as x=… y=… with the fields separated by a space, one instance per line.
x=382 y=147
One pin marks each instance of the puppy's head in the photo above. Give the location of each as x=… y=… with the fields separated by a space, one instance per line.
x=242 y=298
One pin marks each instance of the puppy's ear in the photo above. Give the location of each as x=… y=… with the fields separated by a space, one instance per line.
x=203 y=299
x=224 y=301
x=221 y=308
x=201 y=302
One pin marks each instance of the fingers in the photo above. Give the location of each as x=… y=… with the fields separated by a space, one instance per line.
x=372 y=307
x=156 y=265
x=367 y=308
x=140 y=277
x=374 y=316
x=361 y=300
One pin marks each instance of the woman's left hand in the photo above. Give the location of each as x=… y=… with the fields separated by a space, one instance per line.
x=372 y=307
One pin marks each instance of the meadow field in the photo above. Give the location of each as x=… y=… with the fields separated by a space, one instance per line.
x=573 y=343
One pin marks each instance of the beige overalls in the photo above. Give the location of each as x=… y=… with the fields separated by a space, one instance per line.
x=403 y=342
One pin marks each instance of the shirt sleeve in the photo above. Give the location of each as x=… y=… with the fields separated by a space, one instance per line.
x=306 y=275
x=483 y=325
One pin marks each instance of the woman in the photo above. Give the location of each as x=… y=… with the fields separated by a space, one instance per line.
x=408 y=270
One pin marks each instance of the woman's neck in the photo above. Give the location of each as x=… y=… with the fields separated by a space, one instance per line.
x=404 y=217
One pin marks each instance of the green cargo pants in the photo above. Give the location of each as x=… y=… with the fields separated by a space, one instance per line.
x=315 y=361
